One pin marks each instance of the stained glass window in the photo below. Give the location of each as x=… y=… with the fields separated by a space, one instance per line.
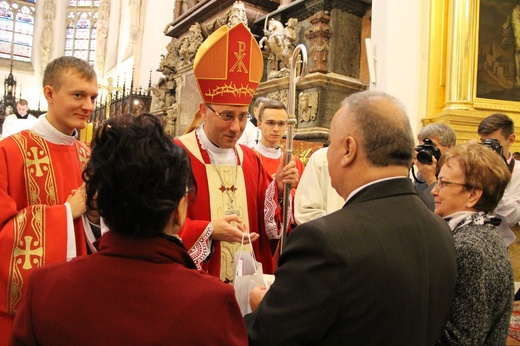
x=16 y=29
x=83 y=3
x=80 y=33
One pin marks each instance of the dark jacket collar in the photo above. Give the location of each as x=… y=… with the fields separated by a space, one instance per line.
x=386 y=188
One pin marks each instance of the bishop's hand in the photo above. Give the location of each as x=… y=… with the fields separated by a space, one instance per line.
x=230 y=228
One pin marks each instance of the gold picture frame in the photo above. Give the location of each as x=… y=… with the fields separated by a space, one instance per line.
x=497 y=76
x=454 y=95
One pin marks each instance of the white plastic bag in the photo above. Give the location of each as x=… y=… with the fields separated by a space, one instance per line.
x=248 y=275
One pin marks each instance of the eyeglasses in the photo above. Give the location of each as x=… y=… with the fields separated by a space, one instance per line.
x=229 y=117
x=441 y=184
x=272 y=123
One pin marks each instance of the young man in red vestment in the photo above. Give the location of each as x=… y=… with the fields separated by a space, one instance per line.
x=272 y=120
x=42 y=199
x=235 y=195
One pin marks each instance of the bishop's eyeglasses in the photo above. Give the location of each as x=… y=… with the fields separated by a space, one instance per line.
x=229 y=117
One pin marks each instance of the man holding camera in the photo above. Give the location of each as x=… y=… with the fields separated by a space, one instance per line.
x=435 y=140
x=497 y=132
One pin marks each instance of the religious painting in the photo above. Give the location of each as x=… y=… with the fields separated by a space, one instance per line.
x=498 y=71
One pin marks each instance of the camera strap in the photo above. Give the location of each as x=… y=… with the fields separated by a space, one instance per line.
x=511 y=165
x=415 y=177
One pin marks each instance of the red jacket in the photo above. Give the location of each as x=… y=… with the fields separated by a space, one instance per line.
x=134 y=291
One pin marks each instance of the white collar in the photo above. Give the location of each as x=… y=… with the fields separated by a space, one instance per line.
x=221 y=156
x=48 y=132
x=272 y=153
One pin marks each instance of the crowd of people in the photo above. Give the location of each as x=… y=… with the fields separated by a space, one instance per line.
x=134 y=240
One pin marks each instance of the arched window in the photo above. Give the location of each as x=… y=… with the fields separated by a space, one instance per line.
x=81 y=31
x=16 y=29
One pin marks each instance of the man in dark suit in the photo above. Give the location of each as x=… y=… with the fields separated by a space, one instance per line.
x=380 y=271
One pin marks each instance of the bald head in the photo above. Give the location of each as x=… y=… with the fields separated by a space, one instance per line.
x=380 y=123
x=370 y=139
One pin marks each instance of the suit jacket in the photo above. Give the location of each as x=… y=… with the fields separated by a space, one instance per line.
x=134 y=291
x=427 y=197
x=425 y=192
x=380 y=271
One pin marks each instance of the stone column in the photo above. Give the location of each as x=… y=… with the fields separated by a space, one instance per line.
x=101 y=38
x=46 y=40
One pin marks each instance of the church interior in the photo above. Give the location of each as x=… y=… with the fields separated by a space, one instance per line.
x=447 y=61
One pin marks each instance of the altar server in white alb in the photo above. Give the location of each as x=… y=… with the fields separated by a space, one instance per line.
x=315 y=197
x=19 y=120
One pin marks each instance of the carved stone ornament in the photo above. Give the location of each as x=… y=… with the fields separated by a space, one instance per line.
x=307 y=106
x=279 y=95
x=171 y=119
x=237 y=14
x=319 y=34
x=163 y=94
x=279 y=44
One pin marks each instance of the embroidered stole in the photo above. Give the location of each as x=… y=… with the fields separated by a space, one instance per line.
x=219 y=198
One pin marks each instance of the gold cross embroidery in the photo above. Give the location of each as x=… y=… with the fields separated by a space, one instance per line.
x=36 y=161
x=27 y=252
x=240 y=56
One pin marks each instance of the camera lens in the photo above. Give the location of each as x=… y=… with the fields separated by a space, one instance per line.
x=424 y=156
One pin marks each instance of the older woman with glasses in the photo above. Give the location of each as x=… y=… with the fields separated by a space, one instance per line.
x=471 y=182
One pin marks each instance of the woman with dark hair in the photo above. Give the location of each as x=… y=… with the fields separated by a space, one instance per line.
x=471 y=182
x=141 y=287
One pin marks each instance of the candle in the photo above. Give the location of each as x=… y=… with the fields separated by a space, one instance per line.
x=83 y=135
x=90 y=129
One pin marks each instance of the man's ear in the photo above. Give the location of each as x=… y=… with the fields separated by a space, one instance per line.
x=349 y=151
x=203 y=111
x=48 y=93
x=474 y=197
x=512 y=139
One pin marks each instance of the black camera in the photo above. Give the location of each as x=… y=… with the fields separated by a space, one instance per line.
x=494 y=145
x=426 y=152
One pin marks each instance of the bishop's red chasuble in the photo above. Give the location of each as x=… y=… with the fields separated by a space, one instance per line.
x=245 y=189
x=36 y=177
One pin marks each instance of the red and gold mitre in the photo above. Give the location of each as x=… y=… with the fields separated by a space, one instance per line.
x=228 y=66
